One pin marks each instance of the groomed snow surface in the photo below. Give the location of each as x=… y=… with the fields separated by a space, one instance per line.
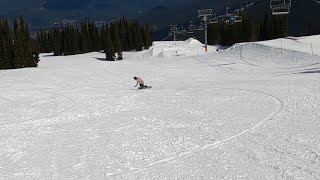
x=247 y=112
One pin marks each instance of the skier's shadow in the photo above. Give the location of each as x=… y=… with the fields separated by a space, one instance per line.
x=139 y=89
x=103 y=59
x=100 y=59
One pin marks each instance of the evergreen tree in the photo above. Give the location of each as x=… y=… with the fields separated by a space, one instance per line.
x=129 y=39
x=7 y=46
x=252 y=29
x=214 y=36
x=16 y=50
x=138 y=39
x=114 y=30
x=88 y=41
x=267 y=27
x=146 y=37
x=19 y=60
x=83 y=42
x=1 y=48
x=124 y=35
x=35 y=52
x=28 y=54
x=109 y=46
x=103 y=38
x=57 y=48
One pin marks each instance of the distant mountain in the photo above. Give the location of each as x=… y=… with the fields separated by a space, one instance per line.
x=47 y=12
x=159 y=13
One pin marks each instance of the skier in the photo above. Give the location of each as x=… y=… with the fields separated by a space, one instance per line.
x=140 y=82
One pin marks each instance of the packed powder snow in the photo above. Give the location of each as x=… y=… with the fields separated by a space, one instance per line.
x=247 y=112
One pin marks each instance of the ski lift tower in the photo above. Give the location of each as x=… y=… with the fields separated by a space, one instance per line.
x=174 y=31
x=205 y=14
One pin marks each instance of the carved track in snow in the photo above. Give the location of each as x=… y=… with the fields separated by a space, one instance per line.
x=278 y=107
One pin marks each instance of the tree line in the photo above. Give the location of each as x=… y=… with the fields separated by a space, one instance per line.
x=313 y=29
x=120 y=35
x=17 y=49
x=248 y=30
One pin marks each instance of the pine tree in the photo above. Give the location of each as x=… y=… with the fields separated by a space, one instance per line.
x=286 y=26
x=150 y=36
x=251 y=29
x=83 y=42
x=138 y=39
x=91 y=36
x=103 y=38
x=267 y=32
x=7 y=46
x=15 y=46
x=125 y=35
x=145 y=37
x=88 y=42
x=214 y=36
x=19 y=59
x=27 y=49
x=114 y=30
x=122 y=34
x=129 y=36
x=109 y=46
x=94 y=37
x=35 y=52
x=75 y=49
x=57 y=48
x=1 y=48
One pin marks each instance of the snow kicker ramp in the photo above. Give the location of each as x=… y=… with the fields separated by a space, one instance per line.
x=171 y=49
x=267 y=58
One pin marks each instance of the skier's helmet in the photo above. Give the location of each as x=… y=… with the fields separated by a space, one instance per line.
x=135 y=78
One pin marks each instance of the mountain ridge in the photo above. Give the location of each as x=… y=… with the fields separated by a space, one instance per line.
x=159 y=13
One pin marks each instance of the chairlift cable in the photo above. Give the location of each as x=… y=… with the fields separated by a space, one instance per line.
x=166 y=37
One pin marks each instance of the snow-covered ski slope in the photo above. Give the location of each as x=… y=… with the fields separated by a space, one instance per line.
x=248 y=112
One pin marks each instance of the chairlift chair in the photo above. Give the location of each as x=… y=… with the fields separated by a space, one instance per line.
x=232 y=18
x=183 y=30
x=200 y=28
x=205 y=12
x=283 y=11
x=191 y=28
x=238 y=19
x=174 y=29
x=213 y=20
x=280 y=7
